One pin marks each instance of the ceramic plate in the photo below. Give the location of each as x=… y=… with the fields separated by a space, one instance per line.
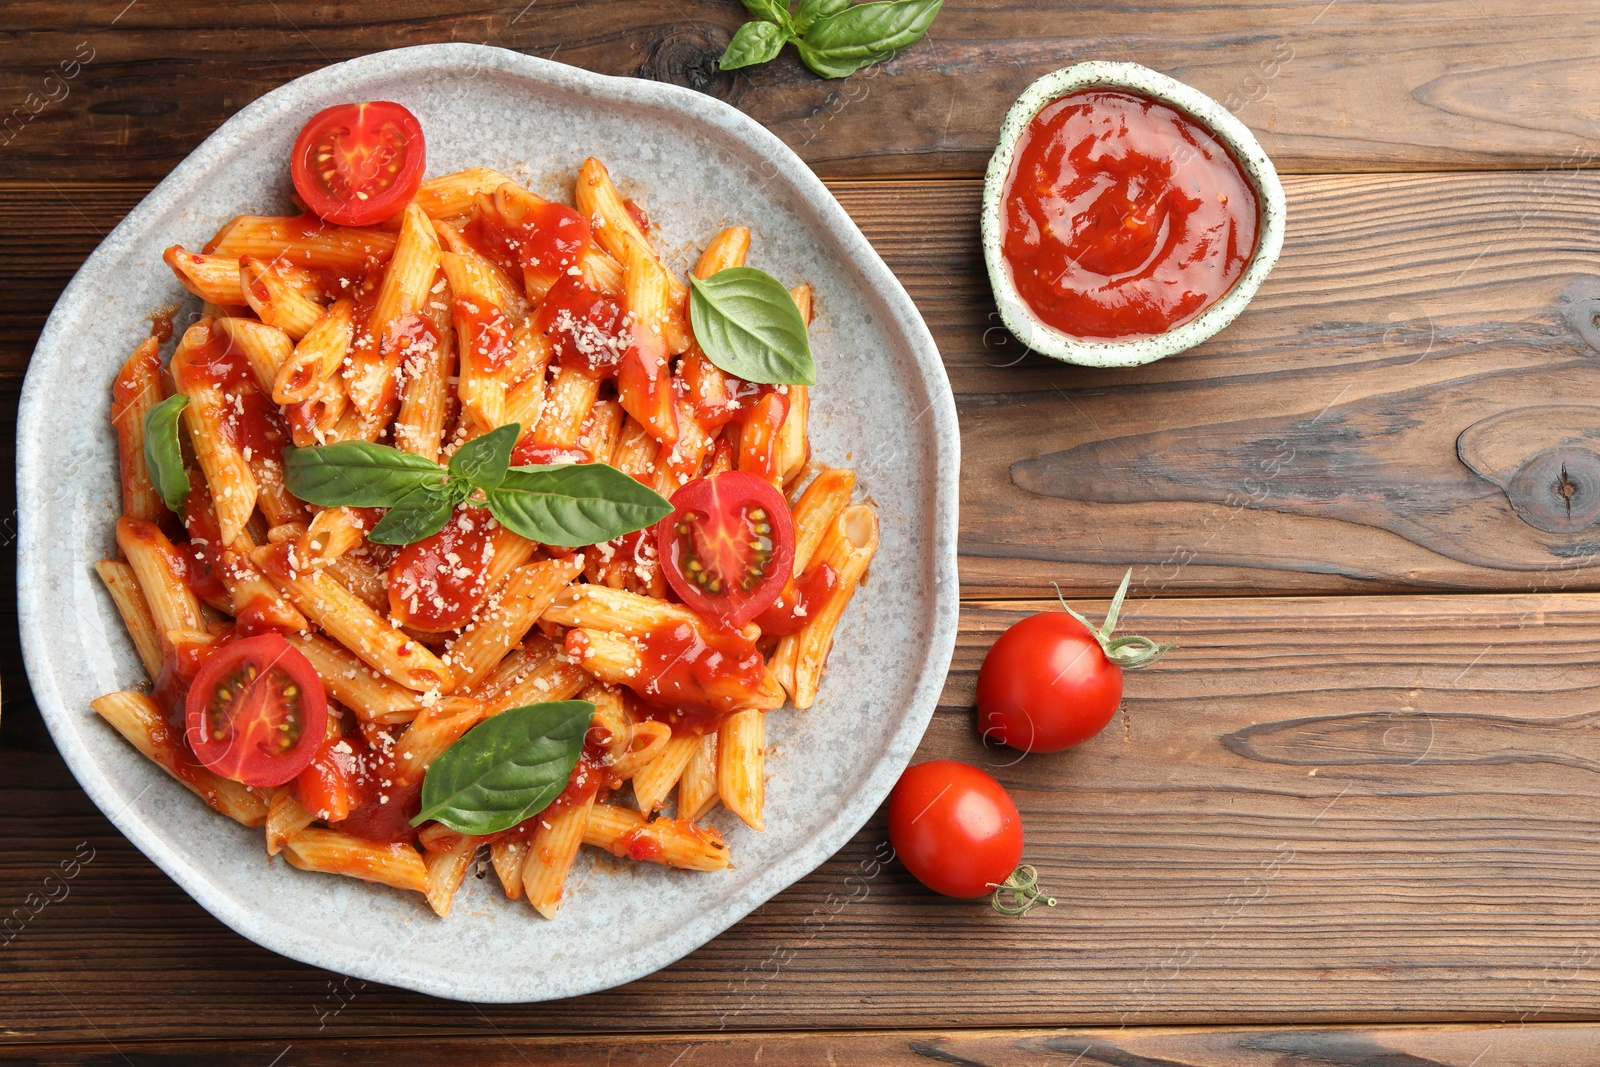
x=882 y=405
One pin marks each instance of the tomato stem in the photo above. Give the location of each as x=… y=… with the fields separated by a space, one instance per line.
x=1130 y=651
x=1019 y=893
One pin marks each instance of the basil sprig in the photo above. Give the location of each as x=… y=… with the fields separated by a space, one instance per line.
x=748 y=325
x=162 y=454
x=505 y=769
x=563 y=504
x=834 y=39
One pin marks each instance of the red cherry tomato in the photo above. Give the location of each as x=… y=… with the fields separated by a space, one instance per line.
x=1051 y=681
x=256 y=712
x=358 y=164
x=955 y=828
x=728 y=547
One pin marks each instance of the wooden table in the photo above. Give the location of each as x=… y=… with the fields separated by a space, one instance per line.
x=1351 y=821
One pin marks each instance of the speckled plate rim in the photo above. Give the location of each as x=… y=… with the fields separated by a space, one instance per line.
x=286 y=104
x=1258 y=168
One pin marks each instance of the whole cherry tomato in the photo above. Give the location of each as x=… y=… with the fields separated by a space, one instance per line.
x=956 y=829
x=1053 y=681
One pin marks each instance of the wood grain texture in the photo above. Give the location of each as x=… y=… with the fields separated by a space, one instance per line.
x=1318 y=442
x=1541 y=1045
x=1317 y=810
x=1416 y=326
x=1352 y=85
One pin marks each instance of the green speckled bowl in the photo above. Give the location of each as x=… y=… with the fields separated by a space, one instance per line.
x=1015 y=313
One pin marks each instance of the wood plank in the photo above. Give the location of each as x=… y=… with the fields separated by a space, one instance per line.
x=1314 y=446
x=1352 y=85
x=1542 y=1045
x=1317 y=810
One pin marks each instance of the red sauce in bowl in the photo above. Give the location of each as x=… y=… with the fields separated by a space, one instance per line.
x=1124 y=217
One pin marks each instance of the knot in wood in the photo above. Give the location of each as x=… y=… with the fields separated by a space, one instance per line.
x=1545 y=458
x=688 y=56
x=1580 y=306
x=1558 y=490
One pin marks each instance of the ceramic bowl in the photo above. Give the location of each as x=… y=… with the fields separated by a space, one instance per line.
x=882 y=404
x=1024 y=325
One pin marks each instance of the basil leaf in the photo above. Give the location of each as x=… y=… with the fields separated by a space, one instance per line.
x=356 y=474
x=754 y=42
x=505 y=769
x=483 y=461
x=841 y=43
x=749 y=326
x=810 y=11
x=420 y=513
x=162 y=453
x=574 y=504
x=771 y=10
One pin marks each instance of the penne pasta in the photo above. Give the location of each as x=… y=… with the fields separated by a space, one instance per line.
x=265 y=347
x=671 y=842
x=697 y=787
x=848 y=549
x=450 y=196
x=507 y=855
x=123 y=585
x=228 y=472
x=425 y=372
x=286 y=817
x=509 y=616
x=317 y=357
x=159 y=569
x=741 y=765
x=274 y=300
x=566 y=403
x=446 y=870
x=617 y=232
x=655 y=779
x=349 y=680
x=558 y=831
x=137 y=389
x=214 y=279
x=302 y=241
x=398 y=865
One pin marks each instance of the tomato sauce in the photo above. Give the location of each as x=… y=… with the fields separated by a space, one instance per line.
x=530 y=453
x=640 y=843
x=799 y=602
x=381 y=802
x=1123 y=217
x=692 y=678
x=251 y=422
x=588 y=329
x=437 y=583
x=548 y=238
x=486 y=334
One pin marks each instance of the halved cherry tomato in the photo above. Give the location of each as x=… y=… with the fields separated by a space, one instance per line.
x=357 y=164
x=728 y=546
x=256 y=712
x=955 y=828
